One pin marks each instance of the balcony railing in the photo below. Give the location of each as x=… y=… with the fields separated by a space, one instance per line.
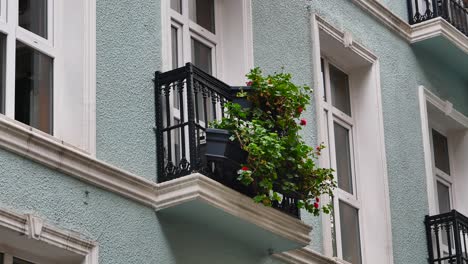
x=186 y=100
x=454 y=11
x=447 y=237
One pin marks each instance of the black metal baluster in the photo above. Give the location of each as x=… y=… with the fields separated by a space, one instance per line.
x=410 y=12
x=456 y=238
x=417 y=14
x=464 y=233
x=159 y=126
x=436 y=232
x=445 y=10
x=191 y=117
x=435 y=8
x=205 y=105
x=449 y=239
x=214 y=99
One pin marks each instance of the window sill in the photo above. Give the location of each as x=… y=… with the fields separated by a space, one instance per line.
x=209 y=203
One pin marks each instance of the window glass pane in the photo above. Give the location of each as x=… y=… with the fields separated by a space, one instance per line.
x=177 y=5
x=2 y=72
x=351 y=244
x=33 y=91
x=33 y=16
x=339 y=85
x=1 y=258
x=443 y=194
x=441 y=154
x=175 y=61
x=202 y=13
x=201 y=56
x=343 y=158
x=20 y=261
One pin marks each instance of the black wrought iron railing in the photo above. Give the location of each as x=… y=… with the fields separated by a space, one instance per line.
x=186 y=100
x=447 y=237
x=454 y=11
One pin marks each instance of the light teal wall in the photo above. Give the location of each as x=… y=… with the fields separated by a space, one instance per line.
x=126 y=232
x=128 y=53
x=281 y=38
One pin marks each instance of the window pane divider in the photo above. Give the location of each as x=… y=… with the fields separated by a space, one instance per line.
x=35 y=42
x=205 y=33
x=342 y=116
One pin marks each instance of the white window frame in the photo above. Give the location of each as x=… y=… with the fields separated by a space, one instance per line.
x=9 y=27
x=434 y=174
x=33 y=227
x=334 y=115
x=362 y=66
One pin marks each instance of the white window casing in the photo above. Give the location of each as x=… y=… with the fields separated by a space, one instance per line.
x=370 y=191
x=70 y=42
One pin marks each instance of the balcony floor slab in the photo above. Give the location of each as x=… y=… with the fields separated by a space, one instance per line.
x=205 y=203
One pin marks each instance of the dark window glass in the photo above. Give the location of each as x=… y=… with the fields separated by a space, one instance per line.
x=351 y=244
x=2 y=72
x=33 y=90
x=1 y=258
x=441 y=153
x=32 y=15
x=177 y=5
x=343 y=158
x=443 y=194
x=175 y=61
x=21 y=261
x=202 y=13
x=201 y=56
x=339 y=86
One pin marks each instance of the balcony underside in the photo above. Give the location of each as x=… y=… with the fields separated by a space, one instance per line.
x=204 y=203
x=443 y=42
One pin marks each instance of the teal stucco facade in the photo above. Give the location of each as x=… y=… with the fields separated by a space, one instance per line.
x=129 y=51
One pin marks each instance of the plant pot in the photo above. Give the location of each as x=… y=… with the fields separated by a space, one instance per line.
x=220 y=148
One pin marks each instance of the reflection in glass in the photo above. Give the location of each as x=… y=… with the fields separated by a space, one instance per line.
x=32 y=15
x=351 y=244
x=339 y=86
x=202 y=13
x=441 y=153
x=443 y=194
x=343 y=158
x=201 y=56
x=176 y=5
x=175 y=62
x=33 y=88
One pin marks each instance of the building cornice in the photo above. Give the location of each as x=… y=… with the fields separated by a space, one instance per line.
x=47 y=150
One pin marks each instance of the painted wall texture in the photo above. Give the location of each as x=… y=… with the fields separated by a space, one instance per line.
x=128 y=47
x=402 y=68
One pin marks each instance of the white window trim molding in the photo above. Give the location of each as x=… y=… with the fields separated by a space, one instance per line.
x=417 y=32
x=425 y=97
x=317 y=24
x=35 y=228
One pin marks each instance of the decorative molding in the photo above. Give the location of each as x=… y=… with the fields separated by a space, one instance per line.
x=444 y=106
x=49 y=234
x=306 y=256
x=51 y=152
x=34 y=226
x=197 y=186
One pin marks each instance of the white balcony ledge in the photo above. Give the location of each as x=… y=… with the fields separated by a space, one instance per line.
x=202 y=201
x=442 y=41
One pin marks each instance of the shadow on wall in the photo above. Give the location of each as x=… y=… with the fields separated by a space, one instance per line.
x=448 y=81
x=199 y=243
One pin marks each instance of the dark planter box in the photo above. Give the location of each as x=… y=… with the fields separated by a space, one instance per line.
x=220 y=148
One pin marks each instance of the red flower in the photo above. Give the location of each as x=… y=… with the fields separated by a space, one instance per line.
x=303 y=122
x=249 y=83
x=316 y=205
x=319 y=148
x=317 y=199
x=245 y=168
x=300 y=109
